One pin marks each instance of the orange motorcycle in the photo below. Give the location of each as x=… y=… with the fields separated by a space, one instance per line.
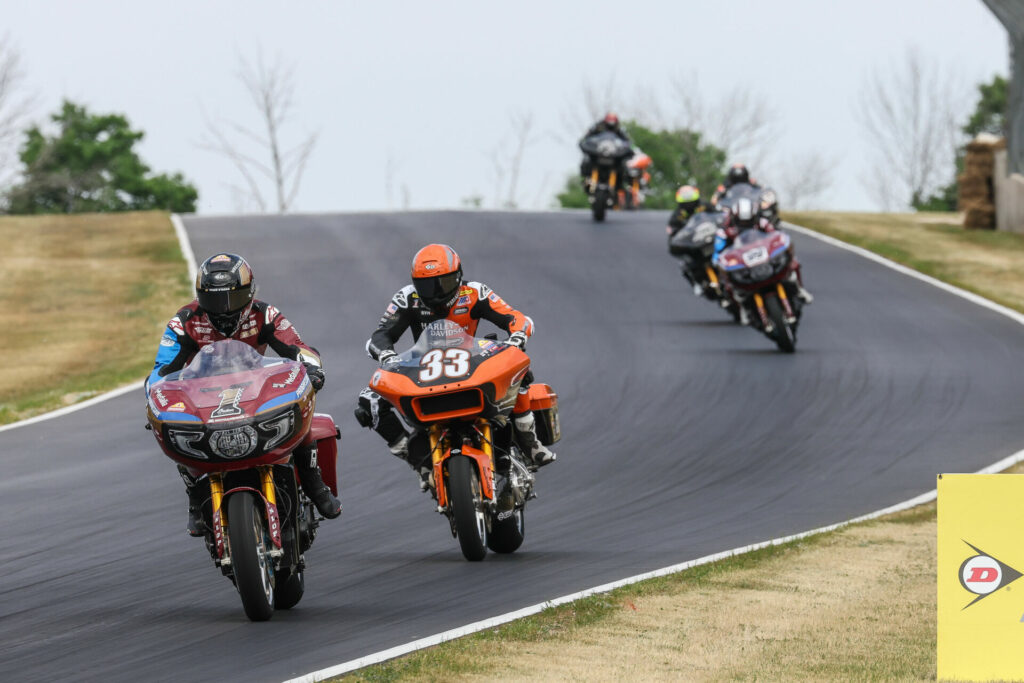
x=460 y=391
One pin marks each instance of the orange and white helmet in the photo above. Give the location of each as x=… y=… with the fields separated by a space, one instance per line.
x=437 y=275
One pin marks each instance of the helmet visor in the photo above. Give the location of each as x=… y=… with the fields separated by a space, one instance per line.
x=224 y=301
x=439 y=288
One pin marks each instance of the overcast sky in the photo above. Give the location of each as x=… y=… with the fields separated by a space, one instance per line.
x=431 y=85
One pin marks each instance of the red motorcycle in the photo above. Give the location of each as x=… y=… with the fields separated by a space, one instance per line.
x=460 y=391
x=235 y=416
x=760 y=273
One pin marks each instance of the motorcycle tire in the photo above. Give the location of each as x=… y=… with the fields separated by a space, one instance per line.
x=467 y=501
x=507 y=534
x=289 y=589
x=252 y=567
x=783 y=334
x=600 y=205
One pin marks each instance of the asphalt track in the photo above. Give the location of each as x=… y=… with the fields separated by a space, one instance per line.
x=683 y=435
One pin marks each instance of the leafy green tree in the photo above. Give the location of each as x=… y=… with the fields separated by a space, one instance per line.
x=90 y=164
x=989 y=116
x=678 y=157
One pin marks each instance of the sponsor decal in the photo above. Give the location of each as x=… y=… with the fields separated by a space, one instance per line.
x=466 y=290
x=168 y=340
x=202 y=330
x=229 y=400
x=502 y=516
x=462 y=309
x=303 y=386
x=983 y=575
x=246 y=333
x=392 y=308
x=430 y=266
x=289 y=379
x=220 y=258
x=376 y=378
x=463 y=300
x=283 y=325
x=494 y=297
x=175 y=326
x=160 y=397
x=178 y=407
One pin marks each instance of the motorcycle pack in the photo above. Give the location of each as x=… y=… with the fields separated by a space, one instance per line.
x=233 y=417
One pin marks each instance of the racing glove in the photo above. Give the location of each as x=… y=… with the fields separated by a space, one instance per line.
x=387 y=357
x=316 y=376
x=517 y=339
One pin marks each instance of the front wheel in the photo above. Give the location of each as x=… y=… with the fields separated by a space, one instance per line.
x=783 y=333
x=253 y=568
x=467 y=501
x=600 y=205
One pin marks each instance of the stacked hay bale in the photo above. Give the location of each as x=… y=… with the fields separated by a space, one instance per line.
x=977 y=195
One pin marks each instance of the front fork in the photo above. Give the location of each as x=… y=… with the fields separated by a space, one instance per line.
x=220 y=519
x=440 y=448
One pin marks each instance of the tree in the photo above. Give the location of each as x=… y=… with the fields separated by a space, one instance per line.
x=14 y=107
x=271 y=90
x=678 y=157
x=989 y=116
x=806 y=177
x=909 y=116
x=89 y=164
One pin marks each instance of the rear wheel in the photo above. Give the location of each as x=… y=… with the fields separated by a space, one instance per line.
x=507 y=534
x=783 y=334
x=289 y=589
x=600 y=205
x=468 y=507
x=253 y=568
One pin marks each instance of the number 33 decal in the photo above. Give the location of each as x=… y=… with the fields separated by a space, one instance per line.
x=451 y=363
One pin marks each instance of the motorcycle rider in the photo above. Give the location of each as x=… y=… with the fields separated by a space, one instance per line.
x=438 y=292
x=745 y=217
x=737 y=175
x=609 y=124
x=687 y=203
x=226 y=307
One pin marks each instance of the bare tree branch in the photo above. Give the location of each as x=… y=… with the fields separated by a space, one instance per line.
x=804 y=179
x=908 y=114
x=15 y=106
x=271 y=90
x=522 y=126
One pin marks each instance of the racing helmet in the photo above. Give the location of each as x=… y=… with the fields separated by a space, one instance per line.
x=437 y=276
x=744 y=216
x=611 y=119
x=225 y=290
x=738 y=173
x=688 y=198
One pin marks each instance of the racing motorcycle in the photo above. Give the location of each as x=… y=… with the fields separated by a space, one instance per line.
x=235 y=416
x=694 y=244
x=639 y=180
x=760 y=270
x=606 y=152
x=460 y=391
x=764 y=199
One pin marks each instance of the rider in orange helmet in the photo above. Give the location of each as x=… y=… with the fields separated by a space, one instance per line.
x=438 y=292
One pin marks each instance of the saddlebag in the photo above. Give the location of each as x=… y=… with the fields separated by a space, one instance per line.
x=544 y=405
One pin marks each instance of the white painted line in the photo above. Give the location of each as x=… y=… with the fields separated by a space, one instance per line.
x=430 y=641
x=190 y=260
x=186 y=246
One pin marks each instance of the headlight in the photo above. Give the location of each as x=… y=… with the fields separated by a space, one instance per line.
x=233 y=443
x=277 y=429
x=187 y=442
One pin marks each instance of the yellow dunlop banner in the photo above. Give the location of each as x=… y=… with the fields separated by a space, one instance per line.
x=981 y=558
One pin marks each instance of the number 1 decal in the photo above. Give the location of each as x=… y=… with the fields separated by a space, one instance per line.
x=451 y=363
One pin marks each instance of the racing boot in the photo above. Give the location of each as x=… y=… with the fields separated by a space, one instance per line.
x=526 y=437
x=313 y=484
x=195 y=524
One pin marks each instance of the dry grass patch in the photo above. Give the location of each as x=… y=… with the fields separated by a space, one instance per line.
x=85 y=299
x=986 y=262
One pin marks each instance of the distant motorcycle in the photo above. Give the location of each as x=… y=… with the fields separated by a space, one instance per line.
x=694 y=244
x=764 y=199
x=758 y=269
x=235 y=416
x=460 y=391
x=607 y=153
x=639 y=179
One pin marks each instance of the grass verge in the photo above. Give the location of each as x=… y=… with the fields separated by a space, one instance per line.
x=856 y=603
x=85 y=299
